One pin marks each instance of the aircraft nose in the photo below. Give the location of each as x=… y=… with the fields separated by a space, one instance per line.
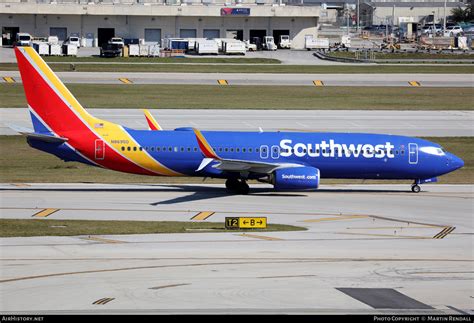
x=455 y=162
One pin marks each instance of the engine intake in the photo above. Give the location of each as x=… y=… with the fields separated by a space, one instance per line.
x=296 y=178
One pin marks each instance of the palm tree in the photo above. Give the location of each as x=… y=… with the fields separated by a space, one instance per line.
x=459 y=14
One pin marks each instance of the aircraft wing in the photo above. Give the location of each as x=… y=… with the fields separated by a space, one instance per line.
x=152 y=124
x=235 y=165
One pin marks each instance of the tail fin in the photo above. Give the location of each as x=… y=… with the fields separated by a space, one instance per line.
x=52 y=106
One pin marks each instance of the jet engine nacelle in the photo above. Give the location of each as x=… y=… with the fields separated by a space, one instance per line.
x=296 y=178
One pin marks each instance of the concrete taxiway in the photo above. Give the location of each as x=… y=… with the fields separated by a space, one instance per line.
x=367 y=249
x=410 y=123
x=426 y=80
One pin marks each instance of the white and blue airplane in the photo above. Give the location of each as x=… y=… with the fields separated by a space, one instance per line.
x=287 y=160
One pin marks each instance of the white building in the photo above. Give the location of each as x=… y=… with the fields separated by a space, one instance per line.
x=96 y=21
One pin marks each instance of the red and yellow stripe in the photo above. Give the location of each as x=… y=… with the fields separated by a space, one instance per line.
x=61 y=111
x=204 y=145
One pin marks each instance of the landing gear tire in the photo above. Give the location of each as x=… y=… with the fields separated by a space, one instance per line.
x=243 y=188
x=231 y=184
x=415 y=188
x=237 y=186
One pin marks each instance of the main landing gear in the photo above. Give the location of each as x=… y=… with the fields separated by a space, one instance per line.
x=415 y=188
x=237 y=186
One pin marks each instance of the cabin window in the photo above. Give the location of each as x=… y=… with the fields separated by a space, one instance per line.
x=140 y=148
x=182 y=149
x=170 y=148
x=220 y=149
x=402 y=152
x=189 y=149
x=128 y=148
x=123 y=148
x=257 y=150
x=226 y=149
x=250 y=150
x=237 y=149
x=153 y=148
x=195 y=149
x=134 y=148
x=175 y=149
x=243 y=150
x=231 y=150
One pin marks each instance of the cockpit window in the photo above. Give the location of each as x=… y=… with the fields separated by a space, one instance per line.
x=433 y=151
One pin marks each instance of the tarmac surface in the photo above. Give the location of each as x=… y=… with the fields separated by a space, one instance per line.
x=373 y=80
x=382 y=250
x=409 y=123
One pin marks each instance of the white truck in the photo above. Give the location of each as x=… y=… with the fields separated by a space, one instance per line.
x=207 y=47
x=316 y=43
x=269 y=43
x=285 y=41
x=23 y=39
x=233 y=47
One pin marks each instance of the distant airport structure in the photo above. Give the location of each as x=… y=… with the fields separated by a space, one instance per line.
x=150 y=21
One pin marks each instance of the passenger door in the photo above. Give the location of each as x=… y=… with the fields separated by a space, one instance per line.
x=413 y=153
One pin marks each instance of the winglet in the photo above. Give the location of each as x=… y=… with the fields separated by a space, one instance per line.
x=206 y=149
x=152 y=124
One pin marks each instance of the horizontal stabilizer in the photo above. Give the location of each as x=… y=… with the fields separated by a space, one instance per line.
x=38 y=136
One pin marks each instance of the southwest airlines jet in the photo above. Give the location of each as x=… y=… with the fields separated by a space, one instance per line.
x=287 y=160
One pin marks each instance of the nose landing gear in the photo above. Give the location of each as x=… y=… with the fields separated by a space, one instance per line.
x=237 y=186
x=415 y=188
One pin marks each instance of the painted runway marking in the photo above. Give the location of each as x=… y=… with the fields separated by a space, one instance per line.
x=125 y=80
x=444 y=232
x=222 y=82
x=260 y=237
x=168 y=286
x=385 y=298
x=318 y=83
x=336 y=218
x=9 y=79
x=103 y=301
x=99 y=239
x=414 y=83
x=201 y=216
x=292 y=276
x=384 y=235
x=44 y=213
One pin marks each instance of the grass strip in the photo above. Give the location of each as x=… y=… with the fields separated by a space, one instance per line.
x=49 y=227
x=155 y=96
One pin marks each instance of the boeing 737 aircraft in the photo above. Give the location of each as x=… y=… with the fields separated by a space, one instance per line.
x=288 y=160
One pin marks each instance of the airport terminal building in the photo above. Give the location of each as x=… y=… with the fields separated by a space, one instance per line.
x=150 y=21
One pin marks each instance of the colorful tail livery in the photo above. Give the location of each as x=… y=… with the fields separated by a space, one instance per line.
x=288 y=160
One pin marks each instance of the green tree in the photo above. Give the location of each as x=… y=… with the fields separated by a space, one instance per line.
x=459 y=14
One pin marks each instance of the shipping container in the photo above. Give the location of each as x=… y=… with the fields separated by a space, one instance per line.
x=42 y=48
x=134 y=50
x=70 y=50
x=55 y=50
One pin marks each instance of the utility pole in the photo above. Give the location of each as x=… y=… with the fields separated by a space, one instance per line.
x=358 y=16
